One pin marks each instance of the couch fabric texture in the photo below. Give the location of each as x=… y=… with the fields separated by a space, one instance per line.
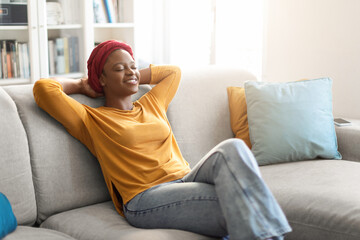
x=56 y=189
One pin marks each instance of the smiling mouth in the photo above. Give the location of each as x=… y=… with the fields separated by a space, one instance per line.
x=131 y=81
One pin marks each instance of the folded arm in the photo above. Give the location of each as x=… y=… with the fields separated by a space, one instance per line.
x=52 y=97
x=74 y=86
x=167 y=80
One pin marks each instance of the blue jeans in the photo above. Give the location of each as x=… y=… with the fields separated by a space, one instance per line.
x=223 y=195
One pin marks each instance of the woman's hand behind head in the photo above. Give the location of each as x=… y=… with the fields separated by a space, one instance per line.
x=87 y=90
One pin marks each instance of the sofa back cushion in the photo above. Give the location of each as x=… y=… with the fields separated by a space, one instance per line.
x=199 y=113
x=66 y=174
x=15 y=171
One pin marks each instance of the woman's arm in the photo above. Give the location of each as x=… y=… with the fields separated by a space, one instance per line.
x=145 y=76
x=167 y=80
x=52 y=97
x=73 y=86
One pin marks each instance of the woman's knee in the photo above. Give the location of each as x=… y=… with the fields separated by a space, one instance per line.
x=236 y=151
x=233 y=144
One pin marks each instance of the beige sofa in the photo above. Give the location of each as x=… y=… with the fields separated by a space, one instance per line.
x=57 y=191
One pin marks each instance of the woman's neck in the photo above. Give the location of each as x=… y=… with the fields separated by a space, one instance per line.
x=119 y=103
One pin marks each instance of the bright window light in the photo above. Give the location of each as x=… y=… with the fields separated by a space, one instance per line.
x=239 y=34
x=191 y=23
x=200 y=32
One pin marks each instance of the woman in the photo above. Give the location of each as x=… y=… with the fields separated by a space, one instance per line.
x=149 y=181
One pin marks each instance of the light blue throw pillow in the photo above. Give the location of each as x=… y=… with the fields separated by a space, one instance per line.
x=291 y=121
x=8 y=221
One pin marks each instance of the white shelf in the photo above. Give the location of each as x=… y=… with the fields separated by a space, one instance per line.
x=69 y=75
x=113 y=25
x=64 y=26
x=11 y=81
x=13 y=28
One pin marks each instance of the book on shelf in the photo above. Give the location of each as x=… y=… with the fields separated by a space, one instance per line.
x=70 y=11
x=110 y=11
x=14 y=59
x=63 y=55
x=74 y=54
x=106 y=11
x=62 y=12
x=26 y=54
x=66 y=55
x=9 y=59
x=100 y=15
x=51 y=55
x=60 y=57
x=54 y=13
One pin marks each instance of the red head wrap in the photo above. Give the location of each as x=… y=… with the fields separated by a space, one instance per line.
x=97 y=60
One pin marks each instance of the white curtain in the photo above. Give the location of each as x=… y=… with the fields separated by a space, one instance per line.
x=200 y=32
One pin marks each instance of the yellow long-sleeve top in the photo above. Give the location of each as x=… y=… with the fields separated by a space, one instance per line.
x=136 y=148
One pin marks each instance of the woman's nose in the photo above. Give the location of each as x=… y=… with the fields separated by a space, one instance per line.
x=130 y=71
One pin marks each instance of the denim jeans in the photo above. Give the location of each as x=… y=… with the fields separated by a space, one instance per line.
x=223 y=195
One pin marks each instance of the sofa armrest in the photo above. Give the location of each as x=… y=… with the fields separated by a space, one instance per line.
x=349 y=140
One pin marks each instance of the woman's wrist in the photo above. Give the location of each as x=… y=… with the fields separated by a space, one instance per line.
x=82 y=85
x=70 y=86
x=87 y=90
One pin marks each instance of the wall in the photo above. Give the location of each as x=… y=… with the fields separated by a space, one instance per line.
x=315 y=38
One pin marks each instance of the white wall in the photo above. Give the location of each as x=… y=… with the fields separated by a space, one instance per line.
x=315 y=38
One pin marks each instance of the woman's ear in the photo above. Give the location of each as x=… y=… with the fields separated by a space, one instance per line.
x=102 y=80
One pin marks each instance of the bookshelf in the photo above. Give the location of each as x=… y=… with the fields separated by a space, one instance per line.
x=121 y=28
x=16 y=42
x=58 y=37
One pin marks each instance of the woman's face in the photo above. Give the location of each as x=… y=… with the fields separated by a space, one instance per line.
x=120 y=75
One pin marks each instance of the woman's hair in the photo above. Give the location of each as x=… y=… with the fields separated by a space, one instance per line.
x=97 y=59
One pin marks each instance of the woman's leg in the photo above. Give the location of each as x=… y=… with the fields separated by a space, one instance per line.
x=223 y=194
x=177 y=205
x=249 y=208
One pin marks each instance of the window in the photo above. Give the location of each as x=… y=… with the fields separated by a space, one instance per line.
x=200 y=32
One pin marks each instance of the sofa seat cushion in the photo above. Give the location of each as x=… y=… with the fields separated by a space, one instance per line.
x=320 y=197
x=101 y=221
x=32 y=233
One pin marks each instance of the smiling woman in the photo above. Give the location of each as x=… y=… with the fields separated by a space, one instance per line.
x=149 y=181
x=115 y=132
x=119 y=80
